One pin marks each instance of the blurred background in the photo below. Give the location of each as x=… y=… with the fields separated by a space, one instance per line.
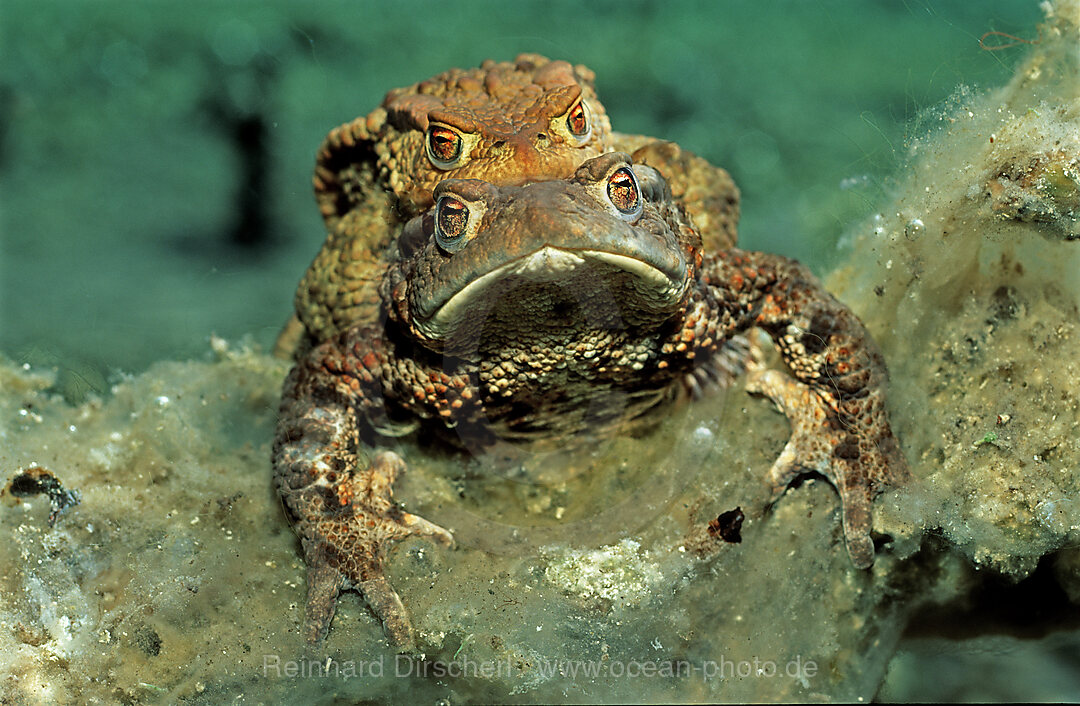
x=156 y=159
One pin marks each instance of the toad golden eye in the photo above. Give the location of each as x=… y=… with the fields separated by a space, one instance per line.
x=577 y=120
x=453 y=217
x=451 y=222
x=622 y=191
x=443 y=146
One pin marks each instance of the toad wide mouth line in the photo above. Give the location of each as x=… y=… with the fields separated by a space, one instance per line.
x=549 y=262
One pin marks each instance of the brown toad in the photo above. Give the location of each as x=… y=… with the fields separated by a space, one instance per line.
x=507 y=123
x=544 y=310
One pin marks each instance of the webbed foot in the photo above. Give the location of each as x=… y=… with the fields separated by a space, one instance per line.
x=853 y=448
x=347 y=522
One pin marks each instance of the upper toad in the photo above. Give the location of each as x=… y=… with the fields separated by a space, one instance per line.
x=507 y=123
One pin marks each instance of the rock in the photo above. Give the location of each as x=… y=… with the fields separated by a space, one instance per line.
x=976 y=309
x=177 y=576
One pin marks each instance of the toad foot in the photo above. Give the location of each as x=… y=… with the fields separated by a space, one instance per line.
x=346 y=548
x=820 y=443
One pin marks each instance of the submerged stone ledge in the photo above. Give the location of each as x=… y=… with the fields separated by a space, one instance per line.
x=177 y=577
x=970 y=281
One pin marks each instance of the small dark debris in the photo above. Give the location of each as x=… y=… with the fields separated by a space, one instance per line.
x=34 y=636
x=728 y=526
x=1005 y=304
x=1047 y=453
x=147 y=640
x=226 y=504
x=37 y=480
x=879 y=290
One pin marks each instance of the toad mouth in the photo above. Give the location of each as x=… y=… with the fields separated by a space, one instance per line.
x=652 y=289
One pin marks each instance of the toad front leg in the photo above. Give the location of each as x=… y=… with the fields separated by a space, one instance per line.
x=836 y=404
x=345 y=515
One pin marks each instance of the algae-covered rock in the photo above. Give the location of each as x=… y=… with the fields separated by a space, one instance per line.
x=968 y=282
x=176 y=576
x=154 y=581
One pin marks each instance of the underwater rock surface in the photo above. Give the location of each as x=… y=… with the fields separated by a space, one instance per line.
x=970 y=285
x=593 y=575
x=177 y=578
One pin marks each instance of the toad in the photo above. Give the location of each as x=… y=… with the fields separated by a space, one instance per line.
x=544 y=311
x=507 y=123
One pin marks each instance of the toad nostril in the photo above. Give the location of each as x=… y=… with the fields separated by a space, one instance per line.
x=542 y=137
x=499 y=145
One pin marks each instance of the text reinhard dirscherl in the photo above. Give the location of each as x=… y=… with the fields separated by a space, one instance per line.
x=404 y=666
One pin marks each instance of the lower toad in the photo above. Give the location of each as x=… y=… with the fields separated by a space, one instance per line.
x=542 y=311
